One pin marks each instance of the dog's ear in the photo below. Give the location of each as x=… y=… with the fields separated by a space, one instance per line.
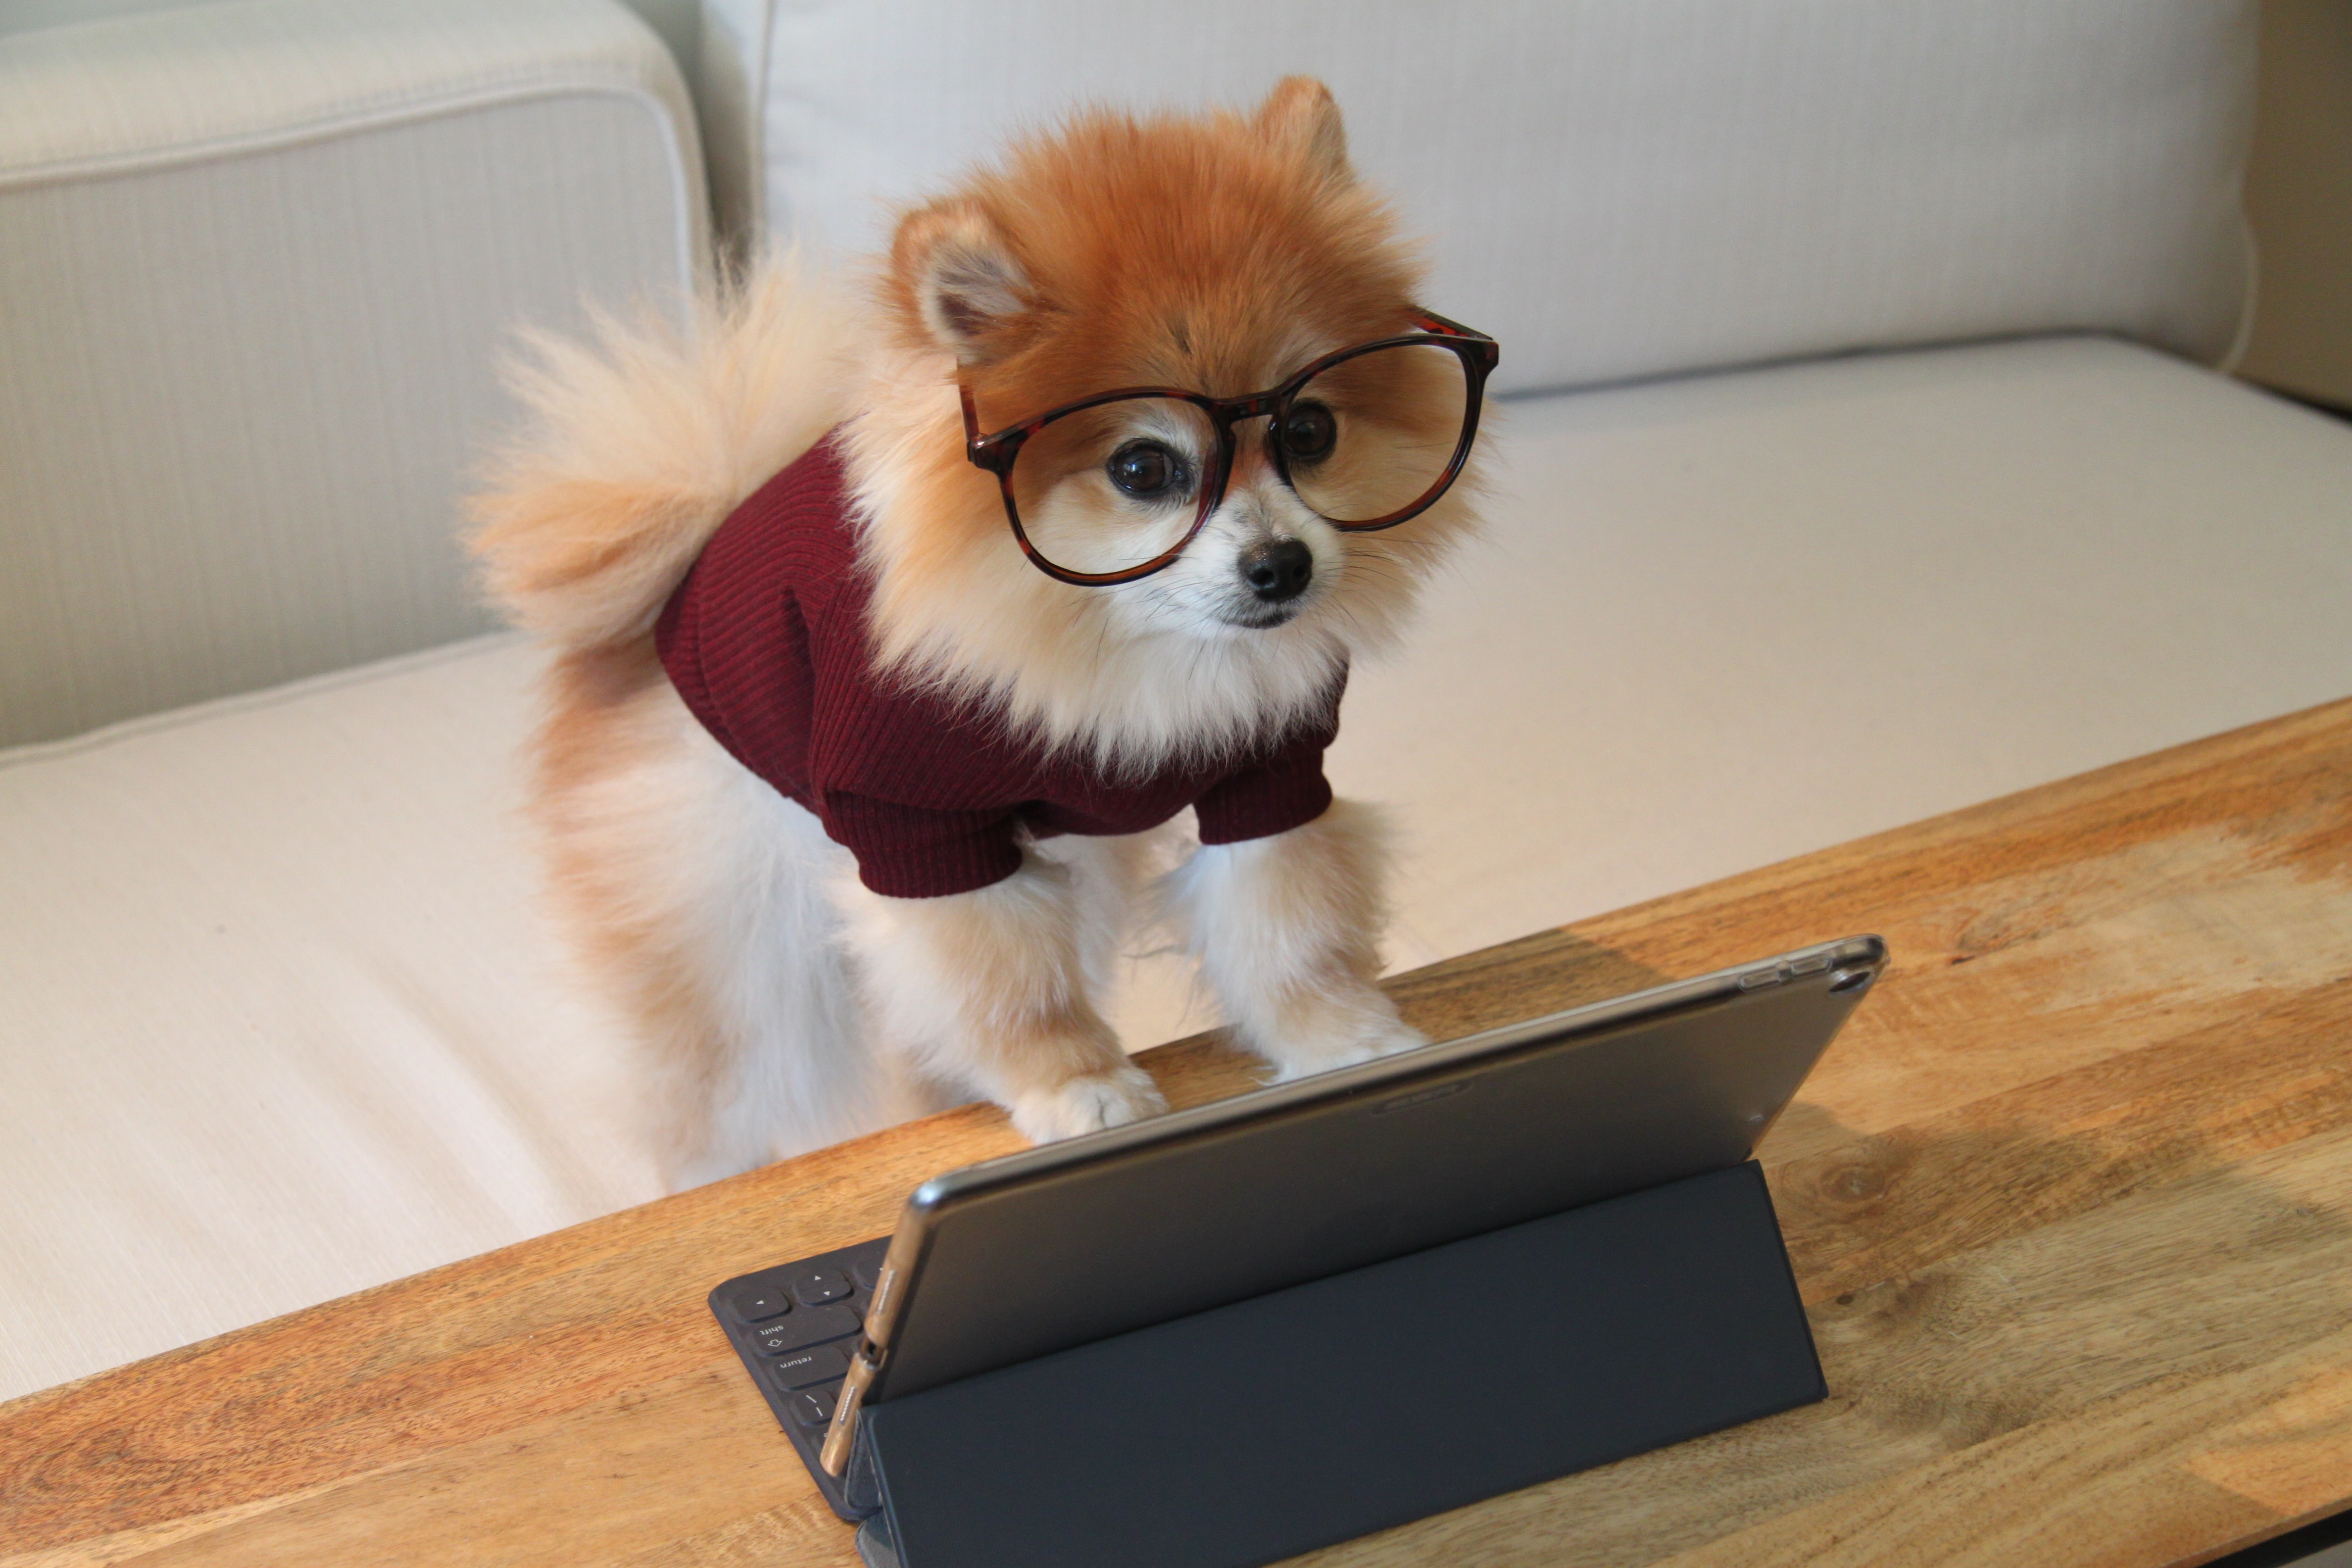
x=957 y=270
x=1301 y=116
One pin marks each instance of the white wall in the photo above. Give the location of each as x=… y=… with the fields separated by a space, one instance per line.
x=2299 y=197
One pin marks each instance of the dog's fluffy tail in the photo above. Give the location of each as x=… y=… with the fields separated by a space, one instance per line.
x=643 y=439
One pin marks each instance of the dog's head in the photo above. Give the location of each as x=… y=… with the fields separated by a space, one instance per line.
x=1219 y=255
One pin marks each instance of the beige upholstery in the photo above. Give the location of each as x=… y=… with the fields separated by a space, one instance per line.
x=1727 y=620
x=277 y=1020
x=256 y=259
x=1614 y=188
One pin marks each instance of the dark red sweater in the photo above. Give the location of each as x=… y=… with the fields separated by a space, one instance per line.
x=766 y=640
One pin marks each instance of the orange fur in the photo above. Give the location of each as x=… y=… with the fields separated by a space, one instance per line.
x=1216 y=254
x=641 y=442
x=781 y=1002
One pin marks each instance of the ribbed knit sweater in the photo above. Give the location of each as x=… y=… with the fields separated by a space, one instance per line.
x=767 y=642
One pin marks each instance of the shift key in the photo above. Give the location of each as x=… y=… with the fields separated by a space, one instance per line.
x=809 y=1326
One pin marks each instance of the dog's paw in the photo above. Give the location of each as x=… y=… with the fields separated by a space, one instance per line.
x=1087 y=1104
x=1377 y=1037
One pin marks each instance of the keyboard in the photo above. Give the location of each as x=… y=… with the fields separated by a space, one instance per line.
x=796 y=1327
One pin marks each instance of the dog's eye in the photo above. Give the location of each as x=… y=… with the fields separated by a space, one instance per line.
x=1146 y=469
x=1308 y=430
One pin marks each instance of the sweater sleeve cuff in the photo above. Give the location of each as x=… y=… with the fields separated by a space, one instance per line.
x=904 y=852
x=1263 y=802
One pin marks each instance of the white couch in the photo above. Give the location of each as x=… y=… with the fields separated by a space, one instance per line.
x=277 y=1020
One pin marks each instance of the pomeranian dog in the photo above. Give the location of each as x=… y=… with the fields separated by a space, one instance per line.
x=895 y=636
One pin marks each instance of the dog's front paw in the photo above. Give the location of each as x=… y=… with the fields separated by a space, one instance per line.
x=1345 y=1040
x=1087 y=1104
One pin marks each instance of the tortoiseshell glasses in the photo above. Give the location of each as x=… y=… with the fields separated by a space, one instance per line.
x=1113 y=487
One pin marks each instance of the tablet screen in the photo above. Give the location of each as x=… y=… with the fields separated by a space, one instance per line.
x=1076 y=1242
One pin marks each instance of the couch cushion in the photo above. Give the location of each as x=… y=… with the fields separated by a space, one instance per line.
x=1613 y=189
x=277 y=1020
x=1723 y=621
x=258 y=258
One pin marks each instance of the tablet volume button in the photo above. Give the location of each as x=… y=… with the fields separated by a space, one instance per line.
x=877 y=1307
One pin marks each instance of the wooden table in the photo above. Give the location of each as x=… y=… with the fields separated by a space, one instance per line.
x=2071 y=1202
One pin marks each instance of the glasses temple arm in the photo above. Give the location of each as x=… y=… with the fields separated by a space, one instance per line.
x=1431 y=321
x=971 y=421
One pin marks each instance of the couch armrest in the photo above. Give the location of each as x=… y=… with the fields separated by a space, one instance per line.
x=260 y=257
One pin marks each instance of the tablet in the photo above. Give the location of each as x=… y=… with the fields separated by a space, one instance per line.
x=1073 y=1242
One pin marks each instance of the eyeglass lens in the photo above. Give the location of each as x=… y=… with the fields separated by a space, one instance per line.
x=1369 y=437
x=1115 y=487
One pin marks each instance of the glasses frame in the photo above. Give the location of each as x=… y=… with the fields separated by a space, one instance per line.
x=1478 y=354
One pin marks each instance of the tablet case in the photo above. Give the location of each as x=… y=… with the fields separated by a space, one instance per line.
x=1327 y=1411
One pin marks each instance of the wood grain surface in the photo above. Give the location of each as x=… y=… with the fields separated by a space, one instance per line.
x=2070 y=1200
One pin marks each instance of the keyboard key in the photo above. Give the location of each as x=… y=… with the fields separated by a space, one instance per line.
x=816 y=1286
x=811 y=1326
x=866 y=1260
x=805 y=1369
x=814 y=1408
x=756 y=1300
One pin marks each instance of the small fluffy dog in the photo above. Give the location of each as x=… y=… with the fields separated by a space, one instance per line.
x=863 y=720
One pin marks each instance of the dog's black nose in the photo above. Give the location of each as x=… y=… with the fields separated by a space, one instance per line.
x=1278 y=570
